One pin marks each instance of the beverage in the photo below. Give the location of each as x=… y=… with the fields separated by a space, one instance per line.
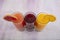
x=30 y=19
x=17 y=18
x=42 y=20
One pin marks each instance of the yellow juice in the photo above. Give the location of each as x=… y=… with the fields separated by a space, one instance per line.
x=42 y=20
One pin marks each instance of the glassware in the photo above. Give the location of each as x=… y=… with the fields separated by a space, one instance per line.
x=30 y=19
x=18 y=20
x=42 y=20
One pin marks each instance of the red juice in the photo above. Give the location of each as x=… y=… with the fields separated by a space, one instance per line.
x=30 y=19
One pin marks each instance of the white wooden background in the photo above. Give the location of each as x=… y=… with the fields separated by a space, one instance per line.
x=8 y=30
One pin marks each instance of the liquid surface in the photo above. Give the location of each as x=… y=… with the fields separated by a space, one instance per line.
x=30 y=18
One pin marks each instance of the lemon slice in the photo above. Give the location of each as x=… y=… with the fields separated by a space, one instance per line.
x=41 y=18
x=51 y=18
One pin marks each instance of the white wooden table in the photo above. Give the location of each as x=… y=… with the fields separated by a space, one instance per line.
x=8 y=30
